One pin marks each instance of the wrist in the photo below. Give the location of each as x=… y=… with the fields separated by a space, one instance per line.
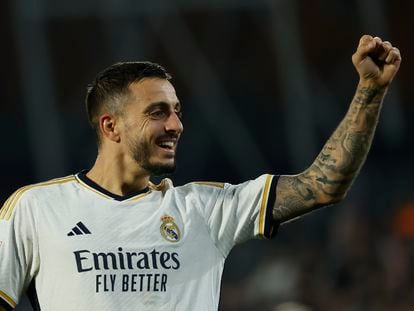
x=368 y=83
x=368 y=93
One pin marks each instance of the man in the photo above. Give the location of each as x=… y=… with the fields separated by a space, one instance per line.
x=109 y=239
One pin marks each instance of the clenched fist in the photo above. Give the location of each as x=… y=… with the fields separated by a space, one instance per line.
x=376 y=61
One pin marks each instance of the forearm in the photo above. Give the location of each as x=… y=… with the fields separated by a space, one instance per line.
x=328 y=179
x=343 y=155
x=330 y=176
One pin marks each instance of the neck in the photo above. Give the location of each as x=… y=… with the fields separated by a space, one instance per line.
x=118 y=174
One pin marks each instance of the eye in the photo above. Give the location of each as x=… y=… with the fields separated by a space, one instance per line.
x=157 y=114
x=179 y=113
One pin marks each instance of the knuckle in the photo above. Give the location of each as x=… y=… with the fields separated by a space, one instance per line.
x=395 y=52
x=366 y=37
x=354 y=58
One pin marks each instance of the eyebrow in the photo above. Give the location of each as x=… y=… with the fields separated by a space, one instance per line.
x=162 y=104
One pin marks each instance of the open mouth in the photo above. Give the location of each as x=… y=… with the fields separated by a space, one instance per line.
x=168 y=144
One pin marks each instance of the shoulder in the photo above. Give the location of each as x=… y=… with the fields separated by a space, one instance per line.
x=32 y=192
x=208 y=184
x=202 y=186
x=263 y=181
x=44 y=187
x=167 y=184
x=198 y=190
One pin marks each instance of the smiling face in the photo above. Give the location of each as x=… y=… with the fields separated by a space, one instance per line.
x=152 y=125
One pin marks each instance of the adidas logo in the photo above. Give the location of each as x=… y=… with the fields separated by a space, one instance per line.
x=79 y=229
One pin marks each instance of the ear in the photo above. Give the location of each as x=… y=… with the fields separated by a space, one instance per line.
x=109 y=128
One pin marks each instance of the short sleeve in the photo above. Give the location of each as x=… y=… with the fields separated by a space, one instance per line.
x=236 y=213
x=18 y=248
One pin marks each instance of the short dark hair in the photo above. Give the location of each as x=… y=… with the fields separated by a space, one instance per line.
x=111 y=86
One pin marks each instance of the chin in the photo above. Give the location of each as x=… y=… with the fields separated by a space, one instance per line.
x=158 y=169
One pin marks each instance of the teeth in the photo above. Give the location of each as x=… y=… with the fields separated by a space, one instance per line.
x=168 y=144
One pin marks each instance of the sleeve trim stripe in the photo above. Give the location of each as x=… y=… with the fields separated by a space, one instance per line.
x=7 y=210
x=264 y=205
x=4 y=207
x=267 y=226
x=7 y=299
x=271 y=226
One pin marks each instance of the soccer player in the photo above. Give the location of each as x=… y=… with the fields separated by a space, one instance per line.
x=109 y=239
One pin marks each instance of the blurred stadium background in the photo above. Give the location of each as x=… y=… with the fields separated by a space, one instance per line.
x=263 y=83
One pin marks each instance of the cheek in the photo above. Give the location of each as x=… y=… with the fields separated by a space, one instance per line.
x=148 y=127
x=152 y=128
x=142 y=126
x=145 y=134
x=135 y=130
x=143 y=131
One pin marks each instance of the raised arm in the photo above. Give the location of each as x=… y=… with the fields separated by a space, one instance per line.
x=330 y=176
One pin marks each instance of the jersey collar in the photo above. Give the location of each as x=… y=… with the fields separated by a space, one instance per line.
x=85 y=179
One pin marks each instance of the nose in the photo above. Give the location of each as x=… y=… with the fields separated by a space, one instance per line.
x=174 y=124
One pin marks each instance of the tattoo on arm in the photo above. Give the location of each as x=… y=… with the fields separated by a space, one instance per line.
x=330 y=176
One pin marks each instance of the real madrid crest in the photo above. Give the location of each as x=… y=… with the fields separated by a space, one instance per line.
x=169 y=230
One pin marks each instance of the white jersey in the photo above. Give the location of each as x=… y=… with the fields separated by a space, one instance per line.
x=72 y=245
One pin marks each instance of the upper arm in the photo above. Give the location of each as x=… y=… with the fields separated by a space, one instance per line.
x=236 y=213
x=299 y=194
x=18 y=247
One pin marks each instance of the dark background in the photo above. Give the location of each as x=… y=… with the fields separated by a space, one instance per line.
x=263 y=85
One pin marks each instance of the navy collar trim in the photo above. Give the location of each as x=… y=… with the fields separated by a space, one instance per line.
x=82 y=176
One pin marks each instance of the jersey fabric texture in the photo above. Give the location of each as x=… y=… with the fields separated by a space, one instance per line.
x=72 y=245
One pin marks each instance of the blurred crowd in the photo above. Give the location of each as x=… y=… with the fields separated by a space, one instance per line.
x=234 y=64
x=356 y=264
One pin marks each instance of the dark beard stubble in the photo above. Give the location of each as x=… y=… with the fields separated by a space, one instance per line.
x=141 y=153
